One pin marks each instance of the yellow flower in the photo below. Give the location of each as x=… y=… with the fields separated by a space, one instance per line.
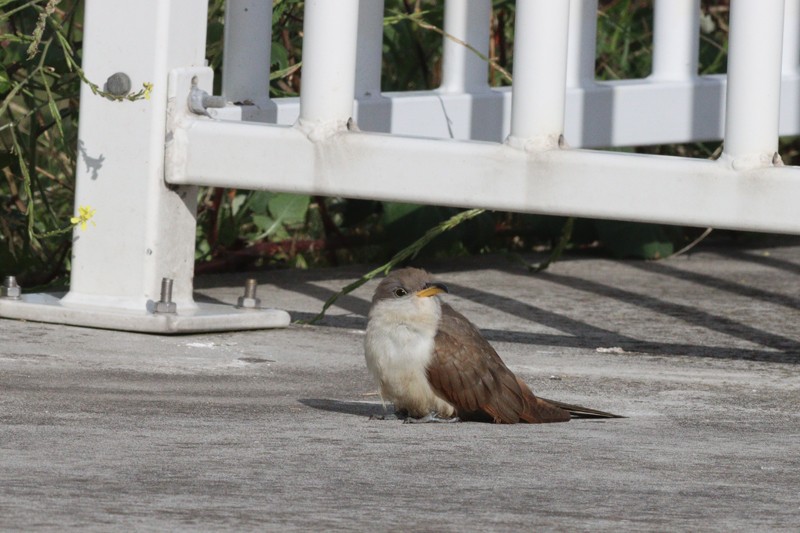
x=85 y=214
x=148 y=87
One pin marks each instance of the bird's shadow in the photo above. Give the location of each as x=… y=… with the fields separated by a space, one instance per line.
x=349 y=407
x=377 y=410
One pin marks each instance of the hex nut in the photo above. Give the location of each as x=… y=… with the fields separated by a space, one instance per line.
x=165 y=308
x=12 y=293
x=248 y=303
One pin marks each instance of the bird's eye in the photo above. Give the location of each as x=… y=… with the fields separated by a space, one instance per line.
x=399 y=292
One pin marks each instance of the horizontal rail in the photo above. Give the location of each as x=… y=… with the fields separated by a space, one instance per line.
x=672 y=190
x=605 y=114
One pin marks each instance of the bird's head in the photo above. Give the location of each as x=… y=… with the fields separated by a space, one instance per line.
x=409 y=291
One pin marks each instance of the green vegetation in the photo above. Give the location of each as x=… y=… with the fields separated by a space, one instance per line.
x=40 y=77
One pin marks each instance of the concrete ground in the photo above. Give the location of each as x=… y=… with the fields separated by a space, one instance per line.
x=269 y=430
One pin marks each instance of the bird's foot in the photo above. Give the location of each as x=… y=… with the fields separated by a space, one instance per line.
x=430 y=418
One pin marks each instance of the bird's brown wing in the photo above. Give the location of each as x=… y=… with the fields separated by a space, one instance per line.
x=467 y=372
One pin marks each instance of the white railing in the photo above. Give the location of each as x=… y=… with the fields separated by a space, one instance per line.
x=465 y=144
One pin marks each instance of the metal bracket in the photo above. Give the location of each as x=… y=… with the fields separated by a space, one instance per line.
x=205 y=317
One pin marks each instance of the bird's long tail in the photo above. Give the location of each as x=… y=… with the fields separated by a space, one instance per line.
x=577 y=411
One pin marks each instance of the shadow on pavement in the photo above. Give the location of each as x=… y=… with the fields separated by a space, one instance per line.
x=365 y=409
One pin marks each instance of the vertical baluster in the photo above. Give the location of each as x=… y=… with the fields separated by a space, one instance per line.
x=676 y=38
x=791 y=37
x=330 y=31
x=754 y=82
x=582 y=42
x=462 y=69
x=540 y=68
x=369 y=53
x=246 y=54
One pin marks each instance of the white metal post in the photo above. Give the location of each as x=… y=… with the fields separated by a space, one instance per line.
x=791 y=37
x=754 y=82
x=330 y=31
x=676 y=39
x=246 y=52
x=582 y=46
x=540 y=67
x=144 y=231
x=462 y=69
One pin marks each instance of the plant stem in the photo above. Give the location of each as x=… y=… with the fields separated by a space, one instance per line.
x=409 y=251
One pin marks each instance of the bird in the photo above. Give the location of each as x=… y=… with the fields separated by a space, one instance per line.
x=435 y=366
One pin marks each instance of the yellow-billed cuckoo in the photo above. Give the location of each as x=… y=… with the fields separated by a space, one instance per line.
x=435 y=365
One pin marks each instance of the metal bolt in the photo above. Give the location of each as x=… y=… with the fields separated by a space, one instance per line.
x=210 y=100
x=249 y=300
x=118 y=84
x=166 y=305
x=10 y=288
x=200 y=101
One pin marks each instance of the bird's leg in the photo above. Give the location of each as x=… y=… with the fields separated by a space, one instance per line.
x=431 y=417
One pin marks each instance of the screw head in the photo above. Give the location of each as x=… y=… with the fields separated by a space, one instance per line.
x=118 y=84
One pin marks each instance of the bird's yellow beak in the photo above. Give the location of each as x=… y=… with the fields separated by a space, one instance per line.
x=432 y=289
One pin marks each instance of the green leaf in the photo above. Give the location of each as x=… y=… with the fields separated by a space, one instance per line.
x=273 y=212
x=202 y=249
x=299 y=262
x=263 y=223
x=51 y=103
x=238 y=208
x=215 y=31
x=228 y=231
x=279 y=55
x=259 y=202
x=289 y=208
x=5 y=82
